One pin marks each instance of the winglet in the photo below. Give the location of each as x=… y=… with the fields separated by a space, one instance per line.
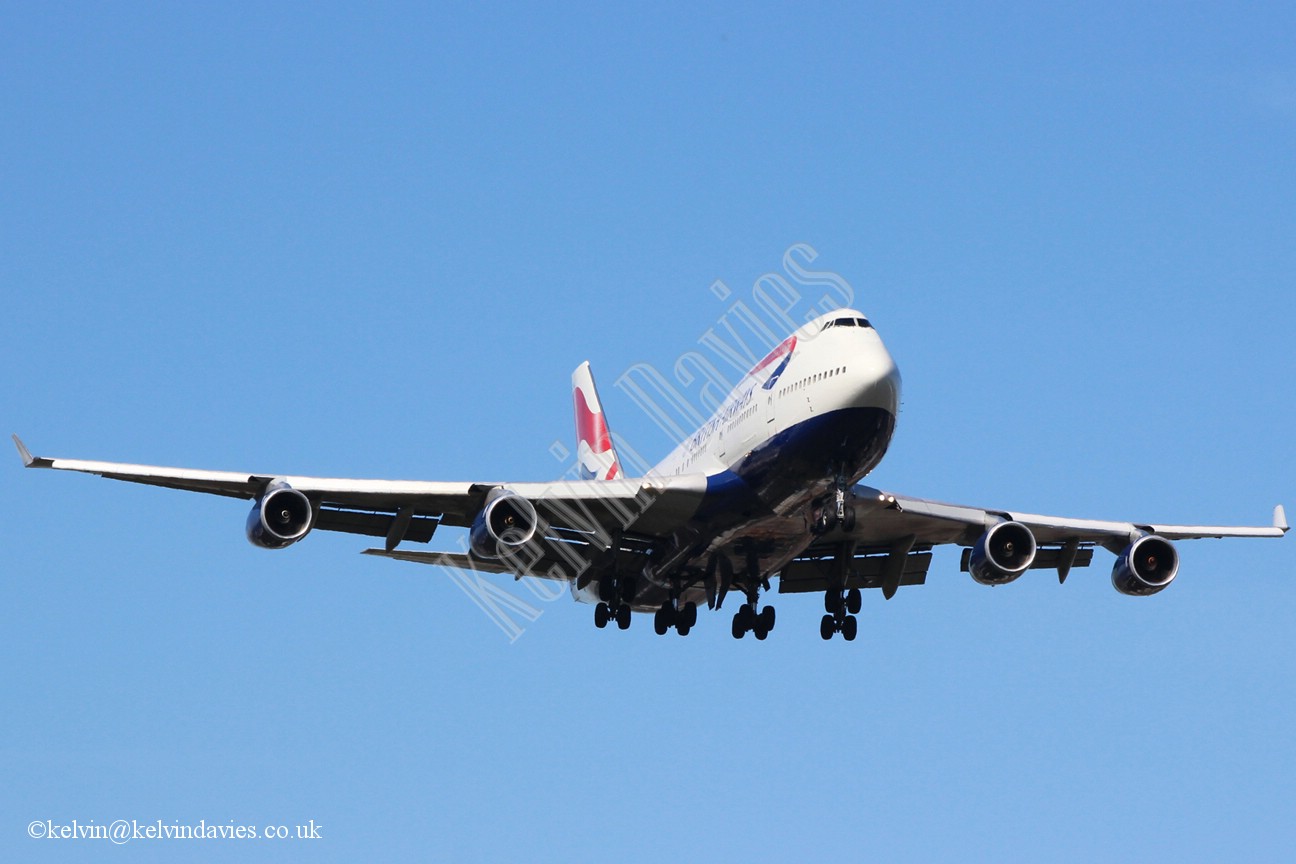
x=1280 y=519
x=24 y=452
x=30 y=461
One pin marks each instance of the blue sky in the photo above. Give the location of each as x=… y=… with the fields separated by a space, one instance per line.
x=375 y=241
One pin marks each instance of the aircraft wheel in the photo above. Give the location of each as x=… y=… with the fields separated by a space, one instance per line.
x=601 y=615
x=850 y=627
x=743 y=618
x=682 y=629
x=623 y=616
x=854 y=600
x=767 y=618
x=827 y=626
x=759 y=632
x=848 y=519
x=660 y=622
x=737 y=628
x=832 y=602
x=689 y=614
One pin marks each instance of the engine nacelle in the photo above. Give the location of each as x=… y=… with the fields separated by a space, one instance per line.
x=280 y=517
x=1146 y=566
x=505 y=524
x=1003 y=553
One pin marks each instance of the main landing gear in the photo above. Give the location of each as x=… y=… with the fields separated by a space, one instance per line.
x=614 y=596
x=603 y=613
x=835 y=509
x=682 y=618
x=842 y=607
x=748 y=620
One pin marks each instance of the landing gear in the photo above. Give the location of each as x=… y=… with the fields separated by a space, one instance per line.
x=740 y=621
x=615 y=590
x=603 y=613
x=615 y=596
x=682 y=618
x=687 y=618
x=842 y=607
x=748 y=620
x=847 y=625
x=835 y=509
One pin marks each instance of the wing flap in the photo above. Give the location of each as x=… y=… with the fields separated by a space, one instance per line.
x=805 y=575
x=548 y=566
x=454 y=560
x=419 y=529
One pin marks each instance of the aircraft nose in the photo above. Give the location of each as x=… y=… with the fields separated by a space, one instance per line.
x=880 y=383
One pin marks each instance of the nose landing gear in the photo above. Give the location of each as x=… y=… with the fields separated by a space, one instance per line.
x=835 y=509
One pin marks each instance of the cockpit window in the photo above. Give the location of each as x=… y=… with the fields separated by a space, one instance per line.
x=847 y=322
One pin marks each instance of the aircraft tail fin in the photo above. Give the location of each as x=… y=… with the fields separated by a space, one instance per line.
x=594 y=451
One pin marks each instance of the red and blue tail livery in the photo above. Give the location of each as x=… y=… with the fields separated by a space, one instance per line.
x=594 y=451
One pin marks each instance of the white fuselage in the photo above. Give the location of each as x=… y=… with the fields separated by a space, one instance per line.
x=824 y=368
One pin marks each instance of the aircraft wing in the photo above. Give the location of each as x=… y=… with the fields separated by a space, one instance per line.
x=891 y=543
x=412 y=510
x=892 y=515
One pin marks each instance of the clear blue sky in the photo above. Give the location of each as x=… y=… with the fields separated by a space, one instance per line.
x=375 y=241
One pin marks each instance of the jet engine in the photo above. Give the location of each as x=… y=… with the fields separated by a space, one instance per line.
x=280 y=517
x=504 y=525
x=1146 y=566
x=1003 y=553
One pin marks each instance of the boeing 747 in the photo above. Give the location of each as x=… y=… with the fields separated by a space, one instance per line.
x=766 y=492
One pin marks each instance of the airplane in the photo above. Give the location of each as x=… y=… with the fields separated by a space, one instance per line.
x=766 y=491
